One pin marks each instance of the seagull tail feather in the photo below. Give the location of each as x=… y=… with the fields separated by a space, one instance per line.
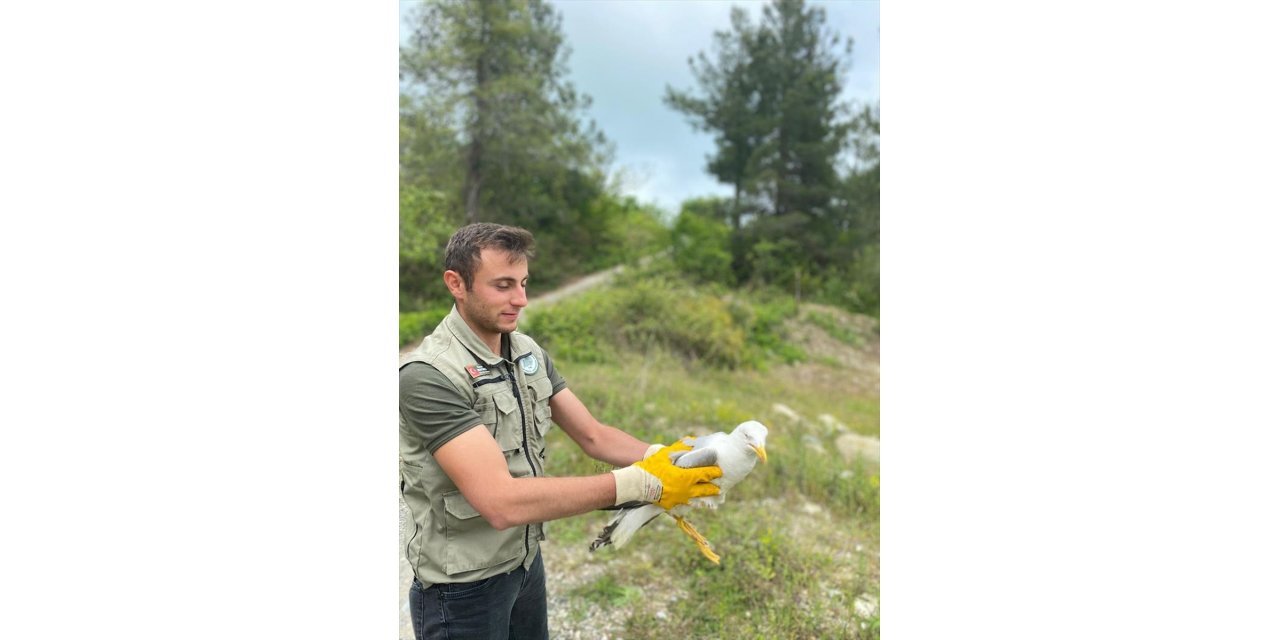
x=624 y=525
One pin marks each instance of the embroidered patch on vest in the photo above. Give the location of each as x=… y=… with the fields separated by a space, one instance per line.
x=477 y=370
x=529 y=365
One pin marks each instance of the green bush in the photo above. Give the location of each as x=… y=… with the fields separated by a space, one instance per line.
x=855 y=287
x=701 y=249
x=656 y=311
x=426 y=222
x=415 y=325
x=693 y=325
x=570 y=329
x=835 y=329
x=766 y=338
x=633 y=232
x=638 y=317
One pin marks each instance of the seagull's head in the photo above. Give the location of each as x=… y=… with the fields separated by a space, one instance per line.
x=754 y=434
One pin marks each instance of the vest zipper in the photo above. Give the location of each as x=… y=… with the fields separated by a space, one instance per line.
x=524 y=428
x=524 y=436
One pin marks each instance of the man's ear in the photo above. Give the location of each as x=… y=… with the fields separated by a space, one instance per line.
x=454 y=281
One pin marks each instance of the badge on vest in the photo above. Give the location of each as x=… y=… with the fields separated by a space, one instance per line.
x=529 y=365
x=477 y=370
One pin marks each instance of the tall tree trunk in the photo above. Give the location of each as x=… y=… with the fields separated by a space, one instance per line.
x=736 y=214
x=473 y=180
x=479 y=128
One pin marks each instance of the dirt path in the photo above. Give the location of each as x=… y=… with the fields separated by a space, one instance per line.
x=575 y=287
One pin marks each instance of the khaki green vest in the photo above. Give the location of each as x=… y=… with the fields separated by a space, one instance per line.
x=449 y=541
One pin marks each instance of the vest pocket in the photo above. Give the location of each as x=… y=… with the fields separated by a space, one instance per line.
x=499 y=412
x=470 y=543
x=541 y=404
x=508 y=427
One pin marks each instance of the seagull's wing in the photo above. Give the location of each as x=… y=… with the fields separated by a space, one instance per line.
x=709 y=442
x=704 y=456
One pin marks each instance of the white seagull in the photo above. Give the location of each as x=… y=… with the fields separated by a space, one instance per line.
x=736 y=454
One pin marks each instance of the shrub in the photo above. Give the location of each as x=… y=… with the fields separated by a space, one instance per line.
x=701 y=250
x=765 y=334
x=415 y=325
x=656 y=311
x=426 y=222
x=855 y=286
x=640 y=316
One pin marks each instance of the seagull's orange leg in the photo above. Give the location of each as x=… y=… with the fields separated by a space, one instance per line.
x=703 y=545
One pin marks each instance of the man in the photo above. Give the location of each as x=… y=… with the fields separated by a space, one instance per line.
x=476 y=401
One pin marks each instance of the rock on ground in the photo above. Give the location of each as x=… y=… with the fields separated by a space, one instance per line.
x=852 y=445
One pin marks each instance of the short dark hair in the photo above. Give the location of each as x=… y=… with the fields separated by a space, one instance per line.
x=462 y=254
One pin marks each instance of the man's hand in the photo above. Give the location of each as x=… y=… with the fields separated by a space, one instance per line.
x=655 y=479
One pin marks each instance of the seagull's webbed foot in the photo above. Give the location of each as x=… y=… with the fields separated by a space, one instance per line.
x=703 y=545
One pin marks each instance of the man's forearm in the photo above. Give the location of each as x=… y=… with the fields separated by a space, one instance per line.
x=616 y=447
x=520 y=501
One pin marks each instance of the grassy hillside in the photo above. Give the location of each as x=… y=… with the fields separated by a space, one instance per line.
x=799 y=538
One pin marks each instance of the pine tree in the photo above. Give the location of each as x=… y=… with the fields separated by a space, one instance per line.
x=492 y=130
x=770 y=93
x=770 y=96
x=495 y=69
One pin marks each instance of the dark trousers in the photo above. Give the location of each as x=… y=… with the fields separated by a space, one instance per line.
x=508 y=606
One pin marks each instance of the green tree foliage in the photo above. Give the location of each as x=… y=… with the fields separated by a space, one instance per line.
x=491 y=130
x=800 y=81
x=496 y=70
x=425 y=227
x=728 y=109
x=855 y=281
x=428 y=206
x=701 y=241
x=632 y=231
x=770 y=95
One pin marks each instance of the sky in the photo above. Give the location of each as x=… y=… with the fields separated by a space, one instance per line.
x=625 y=52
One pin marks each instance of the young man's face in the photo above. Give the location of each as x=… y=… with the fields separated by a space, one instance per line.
x=497 y=296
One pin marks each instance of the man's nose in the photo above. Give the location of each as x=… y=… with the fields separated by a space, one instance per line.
x=522 y=297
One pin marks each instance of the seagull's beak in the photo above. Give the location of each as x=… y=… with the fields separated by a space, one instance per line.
x=760 y=453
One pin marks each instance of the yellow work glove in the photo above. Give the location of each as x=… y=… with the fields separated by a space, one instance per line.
x=655 y=479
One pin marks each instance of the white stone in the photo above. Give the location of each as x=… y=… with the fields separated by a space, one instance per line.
x=813 y=443
x=829 y=421
x=786 y=412
x=866 y=605
x=852 y=445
